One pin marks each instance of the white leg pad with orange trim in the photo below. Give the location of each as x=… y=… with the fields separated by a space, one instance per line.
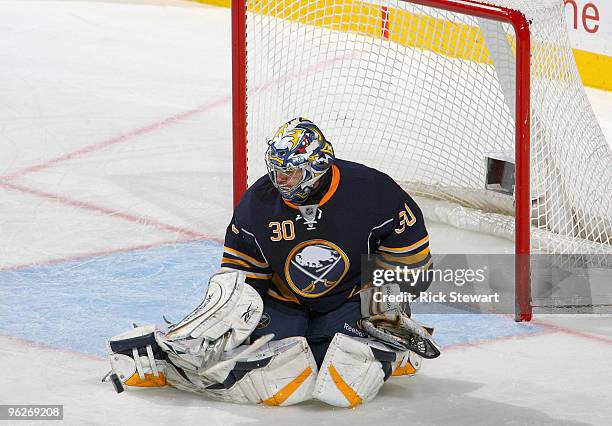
x=136 y=358
x=281 y=372
x=353 y=371
x=229 y=313
x=408 y=364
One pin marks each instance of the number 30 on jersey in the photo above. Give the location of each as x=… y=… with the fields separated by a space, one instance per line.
x=282 y=230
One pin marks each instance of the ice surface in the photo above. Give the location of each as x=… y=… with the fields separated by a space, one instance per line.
x=115 y=190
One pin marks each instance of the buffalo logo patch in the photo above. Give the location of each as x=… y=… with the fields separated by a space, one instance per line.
x=264 y=321
x=315 y=267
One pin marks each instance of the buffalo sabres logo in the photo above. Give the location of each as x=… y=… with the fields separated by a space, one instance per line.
x=264 y=321
x=315 y=267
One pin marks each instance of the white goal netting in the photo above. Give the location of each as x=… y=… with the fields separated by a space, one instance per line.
x=427 y=95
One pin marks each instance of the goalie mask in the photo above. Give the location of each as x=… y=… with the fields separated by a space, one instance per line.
x=297 y=157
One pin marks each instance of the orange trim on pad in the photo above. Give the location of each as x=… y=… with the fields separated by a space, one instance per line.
x=150 y=381
x=406 y=370
x=348 y=392
x=281 y=396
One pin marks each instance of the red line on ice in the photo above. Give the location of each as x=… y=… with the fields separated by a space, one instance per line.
x=192 y=235
x=548 y=329
x=84 y=256
x=105 y=210
x=20 y=341
x=577 y=333
x=495 y=340
x=115 y=140
x=154 y=126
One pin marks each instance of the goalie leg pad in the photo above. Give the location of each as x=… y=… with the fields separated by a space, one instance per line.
x=136 y=358
x=281 y=372
x=228 y=315
x=407 y=364
x=353 y=371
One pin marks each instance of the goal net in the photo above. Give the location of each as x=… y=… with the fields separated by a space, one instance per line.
x=474 y=107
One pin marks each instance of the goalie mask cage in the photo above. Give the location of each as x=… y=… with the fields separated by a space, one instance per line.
x=426 y=91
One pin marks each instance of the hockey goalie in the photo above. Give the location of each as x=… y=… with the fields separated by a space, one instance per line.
x=290 y=318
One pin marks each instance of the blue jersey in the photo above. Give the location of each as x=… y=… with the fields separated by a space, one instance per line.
x=311 y=255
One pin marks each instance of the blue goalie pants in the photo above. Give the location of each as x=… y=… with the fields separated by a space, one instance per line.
x=286 y=319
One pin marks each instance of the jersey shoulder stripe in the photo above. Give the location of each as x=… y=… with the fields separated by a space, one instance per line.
x=249 y=274
x=406 y=259
x=245 y=257
x=422 y=265
x=410 y=249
